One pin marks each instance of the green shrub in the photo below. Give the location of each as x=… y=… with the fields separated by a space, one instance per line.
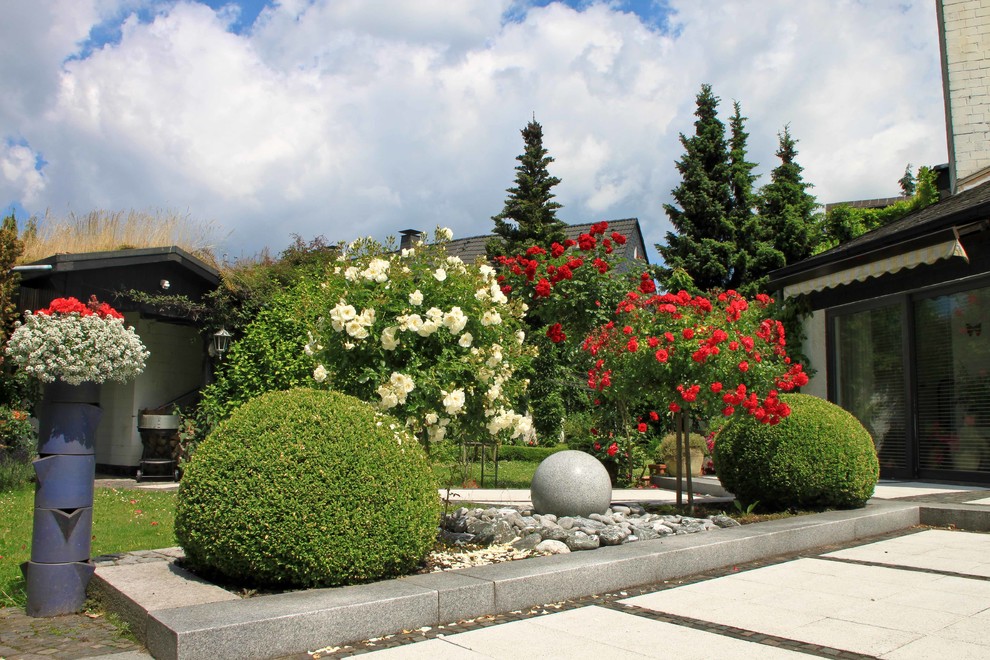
x=526 y=453
x=15 y=474
x=18 y=443
x=307 y=488
x=819 y=457
x=546 y=401
x=267 y=358
x=666 y=451
x=577 y=430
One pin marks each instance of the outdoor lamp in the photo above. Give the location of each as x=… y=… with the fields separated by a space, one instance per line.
x=221 y=340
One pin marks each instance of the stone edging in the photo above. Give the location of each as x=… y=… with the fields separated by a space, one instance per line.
x=225 y=625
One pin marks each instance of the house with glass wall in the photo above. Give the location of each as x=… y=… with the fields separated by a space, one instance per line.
x=899 y=330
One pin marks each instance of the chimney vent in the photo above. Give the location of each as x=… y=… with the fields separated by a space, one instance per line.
x=409 y=238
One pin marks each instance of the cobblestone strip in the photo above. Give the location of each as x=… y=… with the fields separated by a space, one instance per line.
x=954 y=497
x=902 y=567
x=70 y=636
x=138 y=557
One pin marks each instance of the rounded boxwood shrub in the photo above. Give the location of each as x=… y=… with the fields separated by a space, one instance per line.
x=819 y=457
x=307 y=488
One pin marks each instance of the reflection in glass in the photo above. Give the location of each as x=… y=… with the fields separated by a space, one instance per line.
x=953 y=359
x=870 y=378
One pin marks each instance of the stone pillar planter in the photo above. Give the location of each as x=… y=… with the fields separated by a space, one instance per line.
x=59 y=569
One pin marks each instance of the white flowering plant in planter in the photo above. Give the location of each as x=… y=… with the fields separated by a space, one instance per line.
x=77 y=342
x=428 y=338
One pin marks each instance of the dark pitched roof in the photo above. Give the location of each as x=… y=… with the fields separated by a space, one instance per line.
x=970 y=206
x=109 y=275
x=878 y=203
x=469 y=249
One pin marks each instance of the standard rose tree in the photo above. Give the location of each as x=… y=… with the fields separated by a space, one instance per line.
x=695 y=357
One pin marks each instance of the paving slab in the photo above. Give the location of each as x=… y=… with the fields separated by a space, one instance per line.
x=934 y=549
x=927 y=648
x=521 y=496
x=656 y=639
x=881 y=611
x=588 y=632
x=528 y=639
x=891 y=489
x=432 y=649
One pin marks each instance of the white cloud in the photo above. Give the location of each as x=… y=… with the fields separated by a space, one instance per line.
x=350 y=117
x=36 y=38
x=18 y=172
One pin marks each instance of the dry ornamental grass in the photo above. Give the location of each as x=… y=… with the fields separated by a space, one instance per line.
x=100 y=231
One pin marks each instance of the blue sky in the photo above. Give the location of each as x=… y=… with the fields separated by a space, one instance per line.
x=267 y=119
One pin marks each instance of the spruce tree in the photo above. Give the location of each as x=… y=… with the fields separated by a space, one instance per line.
x=530 y=218
x=741 y=213
x=787 y=209
x=530 y=214
x=907 y=182
x=705 y=240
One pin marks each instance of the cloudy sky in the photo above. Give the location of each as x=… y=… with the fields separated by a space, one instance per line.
x=366 y=117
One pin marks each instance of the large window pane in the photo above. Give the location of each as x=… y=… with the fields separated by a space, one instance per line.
x=869 y=379
x=953 y=386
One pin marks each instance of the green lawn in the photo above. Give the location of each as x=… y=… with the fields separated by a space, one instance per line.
x=511 y=474
x=123 y=520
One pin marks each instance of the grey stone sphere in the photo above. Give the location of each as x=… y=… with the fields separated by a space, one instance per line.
x=571 y=483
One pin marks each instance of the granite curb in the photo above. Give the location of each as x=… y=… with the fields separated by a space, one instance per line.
x=223 y=625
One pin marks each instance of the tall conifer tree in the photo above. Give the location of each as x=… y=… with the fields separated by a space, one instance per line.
x=742 y=211
x=787 y=209
x=705 y=241
x=530 y=218
x=530 y=214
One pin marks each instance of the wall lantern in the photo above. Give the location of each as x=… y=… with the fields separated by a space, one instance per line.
x=221 y=340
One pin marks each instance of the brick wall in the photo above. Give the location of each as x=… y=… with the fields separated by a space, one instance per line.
x=964 y=27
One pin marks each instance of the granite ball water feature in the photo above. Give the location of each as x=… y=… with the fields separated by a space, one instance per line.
x=571 y=483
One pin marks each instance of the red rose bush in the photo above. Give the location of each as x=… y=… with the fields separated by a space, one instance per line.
x=688 y=353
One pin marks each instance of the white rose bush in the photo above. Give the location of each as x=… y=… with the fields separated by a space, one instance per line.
x=426 y=337
x=76 y=342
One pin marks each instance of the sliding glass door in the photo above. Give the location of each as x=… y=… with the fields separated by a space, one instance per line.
x=915 y=370
x=868 y=377
x=953 y=384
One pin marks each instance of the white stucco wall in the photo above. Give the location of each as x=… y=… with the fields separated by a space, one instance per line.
x=174 y=368
x=113 y=438
x=814 y=348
